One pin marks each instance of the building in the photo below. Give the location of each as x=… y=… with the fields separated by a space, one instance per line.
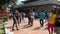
x=43 y=4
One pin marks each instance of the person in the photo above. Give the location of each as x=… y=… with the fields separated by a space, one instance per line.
x=16 y=17
x=41 y=17
x=23 y=17
x=31 y=18
x=47 y=16
x=57 y=23
x=51 y=22
x=20 y=18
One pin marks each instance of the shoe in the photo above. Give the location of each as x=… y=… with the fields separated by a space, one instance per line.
x=17 y=29
x=30 y=25
x=13 y=29
x=42 y=25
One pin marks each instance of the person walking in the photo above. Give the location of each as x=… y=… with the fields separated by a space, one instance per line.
x=23 y=17
x=47 y=16
x=41 y=17
x=31 y=18
x=51 y=22
x=16 y=17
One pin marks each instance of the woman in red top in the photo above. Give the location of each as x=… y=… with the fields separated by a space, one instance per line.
x=16 y=19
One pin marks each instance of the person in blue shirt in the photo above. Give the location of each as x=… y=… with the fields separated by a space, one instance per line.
x=41 y=17
x=23 y=17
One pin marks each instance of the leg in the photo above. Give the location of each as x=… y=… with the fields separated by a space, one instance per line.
x=42 y=23
x=20 y=20
x=29 y=21
x=13 y=24
x=49 y=28
x=17 y=26
x=52 y=28
x=24 y=20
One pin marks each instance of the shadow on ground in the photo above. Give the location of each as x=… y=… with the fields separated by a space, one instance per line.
x=37 y=28
x=25 y=26
x=9 y=27
x=45 y=29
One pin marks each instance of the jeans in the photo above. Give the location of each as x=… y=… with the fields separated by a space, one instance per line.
x=30 y=22
x=41 y=22
x=15 y=23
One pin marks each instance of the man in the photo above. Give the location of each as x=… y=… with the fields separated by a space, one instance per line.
x=42 y=16
x=31 y=18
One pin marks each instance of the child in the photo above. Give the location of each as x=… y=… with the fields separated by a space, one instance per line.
x=57 y=24
x=51 y=22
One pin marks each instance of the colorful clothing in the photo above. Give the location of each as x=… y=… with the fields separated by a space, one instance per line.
x=42 y=15
x=52 y=18
x=50 y=26
x=51 y=22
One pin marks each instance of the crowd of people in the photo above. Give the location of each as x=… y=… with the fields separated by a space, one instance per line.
x=51 y=17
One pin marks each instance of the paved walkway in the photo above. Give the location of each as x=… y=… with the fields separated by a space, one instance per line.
x=24 y=29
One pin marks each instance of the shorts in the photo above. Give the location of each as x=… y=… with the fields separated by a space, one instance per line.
x=51 y=26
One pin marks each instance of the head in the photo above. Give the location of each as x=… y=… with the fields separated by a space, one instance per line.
x=16 y=11
x=42 y=10
x=52 y=12
x=31 y=11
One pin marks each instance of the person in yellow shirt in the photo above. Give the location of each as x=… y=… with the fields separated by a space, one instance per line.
x=51 y=22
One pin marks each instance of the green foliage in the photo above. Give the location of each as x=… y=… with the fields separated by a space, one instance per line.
x=1 y=29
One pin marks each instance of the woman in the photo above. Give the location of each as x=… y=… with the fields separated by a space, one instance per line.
x=51 y=22
x=16 y=19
